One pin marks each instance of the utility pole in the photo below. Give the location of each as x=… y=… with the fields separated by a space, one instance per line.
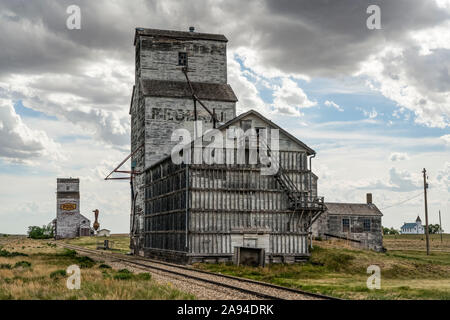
x=440 y=224
x=425 y=186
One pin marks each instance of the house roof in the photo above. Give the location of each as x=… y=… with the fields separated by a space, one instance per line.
x=409 y=225
x=354 y=209
x=67 y=180
x=180 y=89
x=181 y=35
x=270 y=123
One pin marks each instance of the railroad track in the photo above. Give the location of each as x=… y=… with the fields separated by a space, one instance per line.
x=248 y=287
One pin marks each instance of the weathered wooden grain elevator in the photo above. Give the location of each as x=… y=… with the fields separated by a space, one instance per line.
x=69 y=222
x=210 y=211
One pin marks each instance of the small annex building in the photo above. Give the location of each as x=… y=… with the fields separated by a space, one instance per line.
x=359 y=223
x=103 y=233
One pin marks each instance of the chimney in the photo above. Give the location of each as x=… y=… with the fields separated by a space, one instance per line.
x=191 y=29
x=369 y=198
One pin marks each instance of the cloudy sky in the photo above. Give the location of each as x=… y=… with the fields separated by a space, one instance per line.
x=374 y=104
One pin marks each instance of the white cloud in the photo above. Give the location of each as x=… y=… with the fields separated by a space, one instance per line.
x=370 y=114
x=334 y=105
x=244 y=89
x=419 y=83
x=95 y=98
x=289 y=98
x=398 y=156
x=19 y=143
x=446 y=138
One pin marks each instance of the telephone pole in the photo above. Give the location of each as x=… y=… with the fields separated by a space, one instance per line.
x=440 y=224
x=425 y=186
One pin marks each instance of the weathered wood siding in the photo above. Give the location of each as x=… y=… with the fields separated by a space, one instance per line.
x=224 y=206
x=158 y=59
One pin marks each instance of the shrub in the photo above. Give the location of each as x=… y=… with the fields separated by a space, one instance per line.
x=124 y=271
x=5 y=266
x=104 y=266
x=335 y=261
x=68 y=253
x=143 y=276
x=58 y=274
x=5 y=253
x=22 y=264
x=123 y=274
x=85 y=262
x=46 y=232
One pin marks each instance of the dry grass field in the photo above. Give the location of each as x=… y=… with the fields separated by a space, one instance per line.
x=417 y=242
x=120 y=242
x=35 y=269
x=337 y=269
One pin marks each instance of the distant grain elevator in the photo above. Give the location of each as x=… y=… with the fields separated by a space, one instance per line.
x=69 y=223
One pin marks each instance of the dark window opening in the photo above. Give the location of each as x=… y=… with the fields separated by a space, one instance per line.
x=182 y=59
x=345 y=225
x=366 y=224
x=246 y=124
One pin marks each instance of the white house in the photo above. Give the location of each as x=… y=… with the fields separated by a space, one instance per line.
x=103 y=233
x=413 y=228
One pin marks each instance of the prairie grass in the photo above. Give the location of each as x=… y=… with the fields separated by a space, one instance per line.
x=41 y=274
x=120 y=242
x=339 y=270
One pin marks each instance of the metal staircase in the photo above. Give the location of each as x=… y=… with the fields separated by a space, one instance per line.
x=299 y=201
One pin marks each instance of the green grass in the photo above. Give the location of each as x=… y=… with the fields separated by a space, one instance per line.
x=22 y=264
x=120 y=243
x=6 y=253
x=43 y=276
x=58 y=274
x=341 y=272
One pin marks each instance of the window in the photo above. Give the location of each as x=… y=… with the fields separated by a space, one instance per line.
x=345 y=225
x=67 y=188
x=246 y=124
x=182 y=59
x=366 y=225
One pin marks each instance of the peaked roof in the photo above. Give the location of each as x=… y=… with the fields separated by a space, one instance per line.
x=409 y=225
x=181 y=35
x=418 y=219
x=357 y=209
x=270 y=123
x=236 y=119
x=180 y=89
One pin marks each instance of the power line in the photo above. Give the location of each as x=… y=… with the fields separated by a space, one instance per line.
x=399 y=203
